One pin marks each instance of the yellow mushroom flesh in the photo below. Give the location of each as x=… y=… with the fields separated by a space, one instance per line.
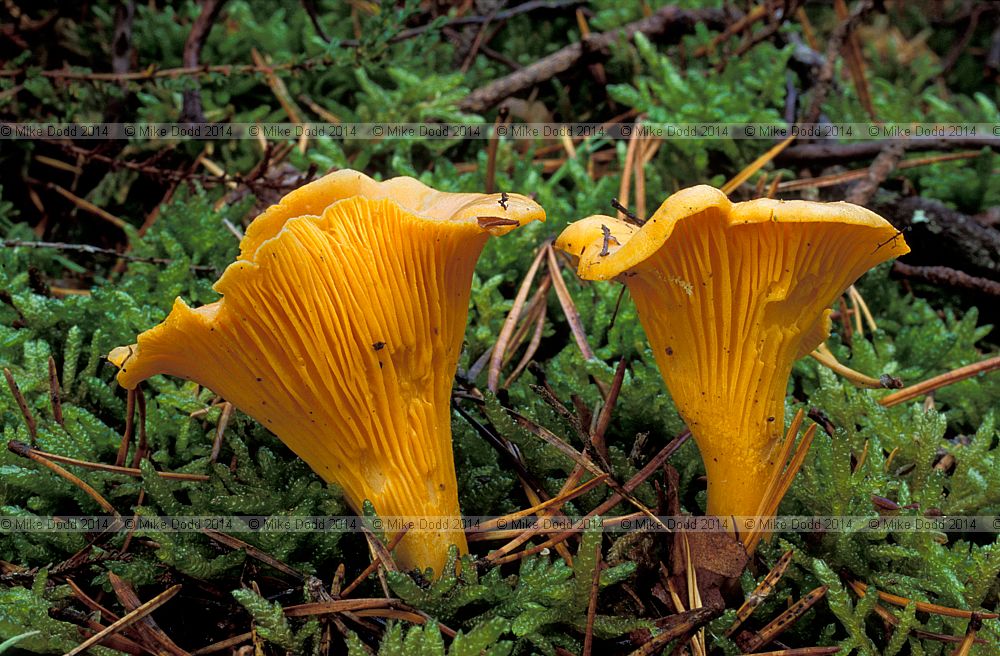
x=730 y=295
x=339 y=329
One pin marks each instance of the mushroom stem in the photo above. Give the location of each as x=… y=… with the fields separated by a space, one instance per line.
x=730 y=295
x=340 y=329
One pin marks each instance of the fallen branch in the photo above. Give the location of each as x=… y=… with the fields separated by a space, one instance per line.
x=834 y=46
x=667 y=23
x=191 y=110
x=133 y=617
x=152 y=73
x=881 y=168
x=947 y=277
x=939 y=235
x=96 y=250
x=937 y=382
x=23 y=449
x=824 y=154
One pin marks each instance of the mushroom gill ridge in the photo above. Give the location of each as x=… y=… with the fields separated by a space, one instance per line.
x=729 y=296
x=341 y=335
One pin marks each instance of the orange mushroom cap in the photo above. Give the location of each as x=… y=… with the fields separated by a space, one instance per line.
x=730 y=295
x=340 y=329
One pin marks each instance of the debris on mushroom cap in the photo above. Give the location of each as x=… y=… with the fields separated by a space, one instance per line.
x=730 y=294
x=339 y=330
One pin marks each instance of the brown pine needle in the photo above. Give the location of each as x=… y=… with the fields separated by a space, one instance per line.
x=772 y=188
x=222 y=644
x=22 y=404
x=889 y=458
x=793 y=468
x=581 y=460
x=414 y=617
x=129 y=429
x=779 y=486
x=59 y=164
x=610 y=522
x=860 y=301
x=604 y=416
x=923 y=606
x=87 y=206
x=758 y=189
x=825 y=357
x=588 y=637
x=503 y=118
x=529 y=315
x=555 y=442
x=62 y=292
x=133 y=617
x=626 y=182
x=277 y=86
x=654 y=465
x=752 y=16
x=937 y=382
x=862 y=458
x=801 y=651
x=646 y=151
x=893 y=621
x=855 y=61
x=141 y=447
x=89 y=602
x=533 y=343
x=807 y=29
x=859 y=174
x=675 y=626
x=786 y=451
x=118 y=642
x=25 y=451
x=569 y=308
x=510 y=323
x=965 y=648
x=372 y=566
x=784 y=621
x=315 y=608
x=253 y=552
x=54 y=394
x=697 y=641
x=535 y=499
x=859 y=326
x=482 y=531
x=566 y=488
x=220 y=430
x=114 y=469
x=100 y=466
x=756 y=165
x=146 y=627
x=761 y=592
x=318 y=109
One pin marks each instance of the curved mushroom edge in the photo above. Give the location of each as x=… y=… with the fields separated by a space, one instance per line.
x=607 y=247
x=133 y=368
x=496 y=213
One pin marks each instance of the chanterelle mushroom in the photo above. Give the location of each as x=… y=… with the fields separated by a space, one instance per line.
x=730 y=295
x=340 y=329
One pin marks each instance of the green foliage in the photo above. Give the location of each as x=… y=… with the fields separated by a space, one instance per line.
x=750 y=89
x=367 y=73
x=269 y=620
x=25 y=620
x=427 y=641
x=542 y=597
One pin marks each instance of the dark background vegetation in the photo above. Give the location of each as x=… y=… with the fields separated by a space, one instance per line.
x=172 y=208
